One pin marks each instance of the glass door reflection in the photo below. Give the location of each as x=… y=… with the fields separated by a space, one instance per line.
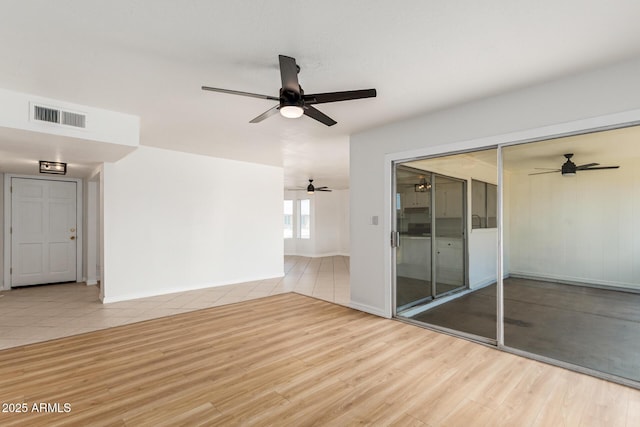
x=413 y=227
x=449 y=235
x=430 y=226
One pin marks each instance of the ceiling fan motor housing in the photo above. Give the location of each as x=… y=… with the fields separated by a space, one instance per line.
x=291 y=98
x=568 y=168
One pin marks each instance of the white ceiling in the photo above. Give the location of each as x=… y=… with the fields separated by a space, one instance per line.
x=150 y=57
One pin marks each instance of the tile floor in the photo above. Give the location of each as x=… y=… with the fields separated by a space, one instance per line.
x=41 y=313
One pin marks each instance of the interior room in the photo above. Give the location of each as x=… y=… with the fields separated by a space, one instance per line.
x=319 y=213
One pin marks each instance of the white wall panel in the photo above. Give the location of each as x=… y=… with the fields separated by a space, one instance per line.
x=583 y=229
x=175 y=221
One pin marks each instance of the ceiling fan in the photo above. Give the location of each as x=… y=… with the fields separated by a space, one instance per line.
x=311 y=189
x=292 y=101
x=569 y=168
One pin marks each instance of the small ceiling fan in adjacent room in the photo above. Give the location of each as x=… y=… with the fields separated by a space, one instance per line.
x=312 y=189
x=569 y=168
x=292 y=101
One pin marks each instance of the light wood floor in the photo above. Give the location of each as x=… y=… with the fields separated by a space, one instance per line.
x=40 y=313
x=294 y=360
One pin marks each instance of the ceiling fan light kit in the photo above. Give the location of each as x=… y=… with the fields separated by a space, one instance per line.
x=293 y=103
x=291 y=111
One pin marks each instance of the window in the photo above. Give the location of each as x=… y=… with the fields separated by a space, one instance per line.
x=288 y=219
x=484 y=204
x=304 y=217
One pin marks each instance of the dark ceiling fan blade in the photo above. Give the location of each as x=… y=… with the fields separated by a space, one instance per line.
x=318 y=115
x=325 y=189
x=321 y=98
x=600 y=167
x=270 y=112
x=237 y=92
x=541 y=173
x=289 y=74
x=588 y=165
x=321 y=188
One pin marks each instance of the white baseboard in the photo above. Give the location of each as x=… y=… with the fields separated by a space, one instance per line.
x=319 y=255
x=580 y=281
x=369 y=309
x=91 y=282
x=194 y=287
x=483 y=283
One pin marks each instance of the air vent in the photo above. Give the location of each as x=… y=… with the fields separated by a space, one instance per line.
x=46 y=114
x=58 y=116
x=73 y=119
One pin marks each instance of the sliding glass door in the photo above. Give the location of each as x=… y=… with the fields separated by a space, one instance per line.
x=445 y=269
x=430 y=236
x=532 y=247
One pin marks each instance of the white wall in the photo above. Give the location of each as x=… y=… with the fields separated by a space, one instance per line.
x=330 y=232
x=92 y=221
x=584 y=229
x=345 y=235
x=175 y=221
x=329 y=224
x=482 y=257
x=534 y=112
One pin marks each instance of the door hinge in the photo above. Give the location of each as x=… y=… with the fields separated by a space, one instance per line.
x=395 y=239
x=11 y=270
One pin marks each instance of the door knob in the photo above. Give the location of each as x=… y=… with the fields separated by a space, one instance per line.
x=73 y=237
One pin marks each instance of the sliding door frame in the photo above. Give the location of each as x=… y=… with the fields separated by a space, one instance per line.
x=466 y=231
x=578 y=127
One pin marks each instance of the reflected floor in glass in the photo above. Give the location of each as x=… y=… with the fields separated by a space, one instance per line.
x=589 y=327
x=409 y=290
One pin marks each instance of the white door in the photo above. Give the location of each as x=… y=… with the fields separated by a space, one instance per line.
x=43 y=231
